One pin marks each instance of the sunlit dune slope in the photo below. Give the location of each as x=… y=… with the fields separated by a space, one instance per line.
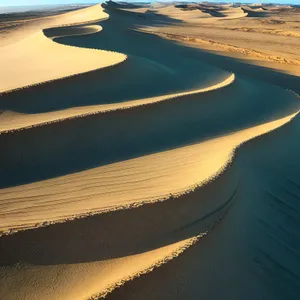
x=105 y=153
x=94 y=255
x=31 y=60
x=254 y=251
x=11 y=120
x=171 y=175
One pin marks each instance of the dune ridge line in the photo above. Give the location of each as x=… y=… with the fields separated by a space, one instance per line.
x=130 y=104
x=192 y=241
x=40 y=37
x=174 y=195
x=90 y=206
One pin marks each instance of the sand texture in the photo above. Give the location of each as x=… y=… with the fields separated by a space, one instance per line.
x=141 y=159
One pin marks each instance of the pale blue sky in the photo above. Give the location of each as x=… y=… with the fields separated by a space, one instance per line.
x=41 y=2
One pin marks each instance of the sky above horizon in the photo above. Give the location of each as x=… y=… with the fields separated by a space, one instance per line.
x=50 y=2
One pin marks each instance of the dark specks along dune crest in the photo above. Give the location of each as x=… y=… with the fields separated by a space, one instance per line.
x=135 y=165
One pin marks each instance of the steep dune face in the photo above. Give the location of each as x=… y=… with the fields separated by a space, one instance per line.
x=162 y=177
x=153 y=134
x=255 y=12
x=146 y=177
x=13 y=121
x=257 y=240
x=104 y=256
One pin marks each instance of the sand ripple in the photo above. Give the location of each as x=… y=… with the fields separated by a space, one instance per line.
x=156 y=163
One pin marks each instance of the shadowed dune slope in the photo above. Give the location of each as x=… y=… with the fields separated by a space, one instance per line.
x=255 y=13
x=257 y=240
x=65 y=254
x=71 y=30
x=166 y=176
x=86 y=137
x=131 y=182
x=11 y=120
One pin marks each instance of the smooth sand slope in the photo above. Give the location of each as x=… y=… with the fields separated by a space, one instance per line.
x=11 y=120
x=118 y=171
x=30 y=60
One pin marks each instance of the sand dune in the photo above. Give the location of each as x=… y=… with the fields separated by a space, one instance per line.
x=74 y=257
x=157 y=172
x=191 y=13
x=213 y=26
x=255 y=12
x=16 y=29
x=257 y=240
x=46 y=54
x=11 y=121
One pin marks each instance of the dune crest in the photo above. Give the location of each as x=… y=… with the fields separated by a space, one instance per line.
x=159 y=171
x=45 y=53
x=128 y=267
x=12 y=121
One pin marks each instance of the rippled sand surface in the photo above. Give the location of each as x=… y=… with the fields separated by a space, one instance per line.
x=138 y=160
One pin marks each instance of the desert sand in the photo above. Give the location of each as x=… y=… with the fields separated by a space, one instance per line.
x=147 y=152
x=39 y=54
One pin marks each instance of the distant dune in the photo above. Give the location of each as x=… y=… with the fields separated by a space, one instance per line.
x=150 y=152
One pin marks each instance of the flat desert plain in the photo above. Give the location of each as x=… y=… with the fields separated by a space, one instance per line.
x=150 y=151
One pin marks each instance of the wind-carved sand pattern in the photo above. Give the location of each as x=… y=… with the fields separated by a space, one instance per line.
x=141 y=168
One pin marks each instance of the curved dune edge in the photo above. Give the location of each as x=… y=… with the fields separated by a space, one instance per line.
x=33 y=45
x=175 y=250
x=80 y=30
x=113 y=270
x=80 y=112
x=127 y=176
x=190 y=242
x=182 y=246
x=258 y=12
x=270 y=126
x=172 y=251
x=121 y=58
x=125 y=179
x=197 y=238
x=175 y=253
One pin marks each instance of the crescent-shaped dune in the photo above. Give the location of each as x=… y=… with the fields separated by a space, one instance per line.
x=257 y=13
x=39 y=54
x=11 y=121
x=143 y=172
